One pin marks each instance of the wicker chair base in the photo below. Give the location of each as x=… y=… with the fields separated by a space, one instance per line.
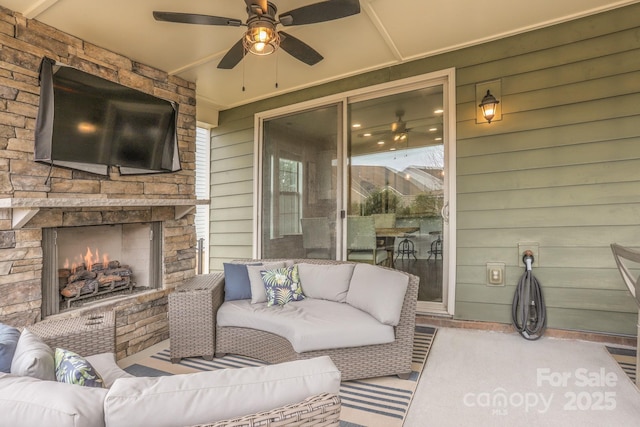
x=322 y=410
x=353 y=362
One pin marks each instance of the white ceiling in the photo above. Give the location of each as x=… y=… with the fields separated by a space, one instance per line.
x=386 y=32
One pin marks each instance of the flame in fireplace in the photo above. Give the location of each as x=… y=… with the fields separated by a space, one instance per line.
x=90 y=258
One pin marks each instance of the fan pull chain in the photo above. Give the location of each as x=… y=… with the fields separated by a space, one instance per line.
x=277 y=57
x=243 y=61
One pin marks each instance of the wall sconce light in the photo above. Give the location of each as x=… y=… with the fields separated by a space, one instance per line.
x=489 y=102
x=489 y=105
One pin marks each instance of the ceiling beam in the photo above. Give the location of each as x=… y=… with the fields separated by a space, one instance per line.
x=38 y=7
x=377 y=23
x=197 y=63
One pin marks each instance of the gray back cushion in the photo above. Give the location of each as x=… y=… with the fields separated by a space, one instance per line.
x=378 y=291
x=328 y=282
x=33 y=358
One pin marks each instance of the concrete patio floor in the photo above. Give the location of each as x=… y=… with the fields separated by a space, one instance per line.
x=484 y=378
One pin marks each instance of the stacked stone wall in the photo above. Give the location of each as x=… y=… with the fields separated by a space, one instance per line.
x=23 y=43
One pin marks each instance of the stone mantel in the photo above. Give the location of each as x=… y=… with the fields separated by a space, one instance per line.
x=25 y=208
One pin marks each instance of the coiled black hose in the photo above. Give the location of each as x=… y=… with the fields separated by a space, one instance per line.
x=528 y=311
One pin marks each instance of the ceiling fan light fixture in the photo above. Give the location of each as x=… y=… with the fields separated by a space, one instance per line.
x=399 y=137
x=261 y=38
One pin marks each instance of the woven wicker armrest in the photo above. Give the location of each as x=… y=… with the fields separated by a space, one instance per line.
x=218 y=294
x=192 y=316
x=319 y=411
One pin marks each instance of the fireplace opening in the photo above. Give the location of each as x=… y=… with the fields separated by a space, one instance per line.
x=86 y=264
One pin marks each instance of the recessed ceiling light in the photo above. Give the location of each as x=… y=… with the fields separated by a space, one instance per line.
x=356 y=125
x=433 y=129
x=439 y=111
x=86 y=127
x=380 y=142
x=366 y=134
x=438 y=139
x=392 y=149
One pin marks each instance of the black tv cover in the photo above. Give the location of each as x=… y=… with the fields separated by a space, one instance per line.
x=89 y=123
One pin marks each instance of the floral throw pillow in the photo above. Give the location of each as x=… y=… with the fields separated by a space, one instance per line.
x=72 y=368
x=282 y=285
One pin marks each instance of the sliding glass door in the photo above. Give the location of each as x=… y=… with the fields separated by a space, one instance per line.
x=365 y=177
x=396 y=181
x=300 y=184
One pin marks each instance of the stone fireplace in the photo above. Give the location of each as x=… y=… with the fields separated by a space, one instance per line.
x=156 y=236
x=42 y=205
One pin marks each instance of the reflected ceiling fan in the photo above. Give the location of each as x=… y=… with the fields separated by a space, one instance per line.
x=398 y=129
x=261 y=37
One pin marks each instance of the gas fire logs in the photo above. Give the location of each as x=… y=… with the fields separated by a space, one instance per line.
x=81 y=283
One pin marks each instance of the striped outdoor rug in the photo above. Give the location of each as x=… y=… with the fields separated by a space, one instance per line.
x=626 y=358
x=382 y=401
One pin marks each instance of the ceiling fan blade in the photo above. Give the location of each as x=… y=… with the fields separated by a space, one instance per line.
x=262 y=4
x=299 y=49
x=232 y=57
x=194 y=18
x=320 y=12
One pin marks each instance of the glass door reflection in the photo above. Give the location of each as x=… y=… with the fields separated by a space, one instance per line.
x=299 y=182
x=396 y=182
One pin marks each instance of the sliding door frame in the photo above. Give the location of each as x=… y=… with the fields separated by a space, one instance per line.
x=446 y=78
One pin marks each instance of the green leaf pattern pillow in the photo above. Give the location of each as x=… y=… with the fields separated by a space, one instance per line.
x=282 y=285
x=72 y=368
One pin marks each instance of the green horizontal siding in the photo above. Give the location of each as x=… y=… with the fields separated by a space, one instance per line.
x=561 y=169
x=573 y=236
x=232 y=201
x=558 y=277
x=572 y=319
x=232 y=157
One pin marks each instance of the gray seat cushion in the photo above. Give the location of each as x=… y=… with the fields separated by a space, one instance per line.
x=311 y=324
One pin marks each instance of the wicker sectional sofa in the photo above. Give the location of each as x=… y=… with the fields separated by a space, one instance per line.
x=307 y=393
x=362 y=361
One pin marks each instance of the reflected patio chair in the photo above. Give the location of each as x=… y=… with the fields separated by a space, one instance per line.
x=361 y=241
x=316 y=238
x=623 y=257
x=436 y=245
x=386 y=220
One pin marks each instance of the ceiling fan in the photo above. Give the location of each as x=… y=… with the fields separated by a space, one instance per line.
x=261 y=37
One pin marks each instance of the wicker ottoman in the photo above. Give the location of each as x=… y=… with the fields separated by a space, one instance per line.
x=85 y=335
x=191 y=317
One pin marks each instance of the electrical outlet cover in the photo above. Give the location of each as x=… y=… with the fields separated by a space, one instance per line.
x=495 y=273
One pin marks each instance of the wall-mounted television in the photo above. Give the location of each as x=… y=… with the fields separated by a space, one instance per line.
x=89 y=123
